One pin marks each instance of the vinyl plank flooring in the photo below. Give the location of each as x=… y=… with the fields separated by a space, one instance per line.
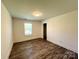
x=40 y=49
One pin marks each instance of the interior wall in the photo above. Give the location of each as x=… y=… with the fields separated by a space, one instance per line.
x=6 y=33
x=18 y=28
x=62 y=30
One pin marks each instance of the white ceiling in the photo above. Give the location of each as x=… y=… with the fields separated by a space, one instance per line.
x=49 y=8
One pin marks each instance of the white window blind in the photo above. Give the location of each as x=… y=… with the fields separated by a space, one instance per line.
x=27 y=28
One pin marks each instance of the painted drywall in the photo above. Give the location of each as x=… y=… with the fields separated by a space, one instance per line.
x=18 y=30
x=6 y=33
x=62 y=30
x=25 y=8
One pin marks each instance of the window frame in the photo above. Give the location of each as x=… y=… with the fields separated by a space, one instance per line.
x=28 y=30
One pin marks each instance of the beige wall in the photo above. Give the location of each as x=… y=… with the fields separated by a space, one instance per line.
x=62 y=30
x=6 y=33
x=18 y=28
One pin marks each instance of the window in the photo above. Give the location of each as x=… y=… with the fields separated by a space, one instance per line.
x=27 y=28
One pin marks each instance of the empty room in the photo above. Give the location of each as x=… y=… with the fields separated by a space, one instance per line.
x=39 y=29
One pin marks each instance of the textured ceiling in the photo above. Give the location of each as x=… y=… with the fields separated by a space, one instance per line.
x=49 y=8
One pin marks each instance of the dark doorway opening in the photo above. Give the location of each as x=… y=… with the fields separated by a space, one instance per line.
x=45 y=31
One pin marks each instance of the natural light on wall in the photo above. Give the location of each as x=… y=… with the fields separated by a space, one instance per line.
x=27 y=29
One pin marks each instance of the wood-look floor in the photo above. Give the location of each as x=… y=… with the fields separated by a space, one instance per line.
x=40 y=49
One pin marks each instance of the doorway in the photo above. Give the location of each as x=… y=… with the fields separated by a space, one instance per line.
x=45 y=31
